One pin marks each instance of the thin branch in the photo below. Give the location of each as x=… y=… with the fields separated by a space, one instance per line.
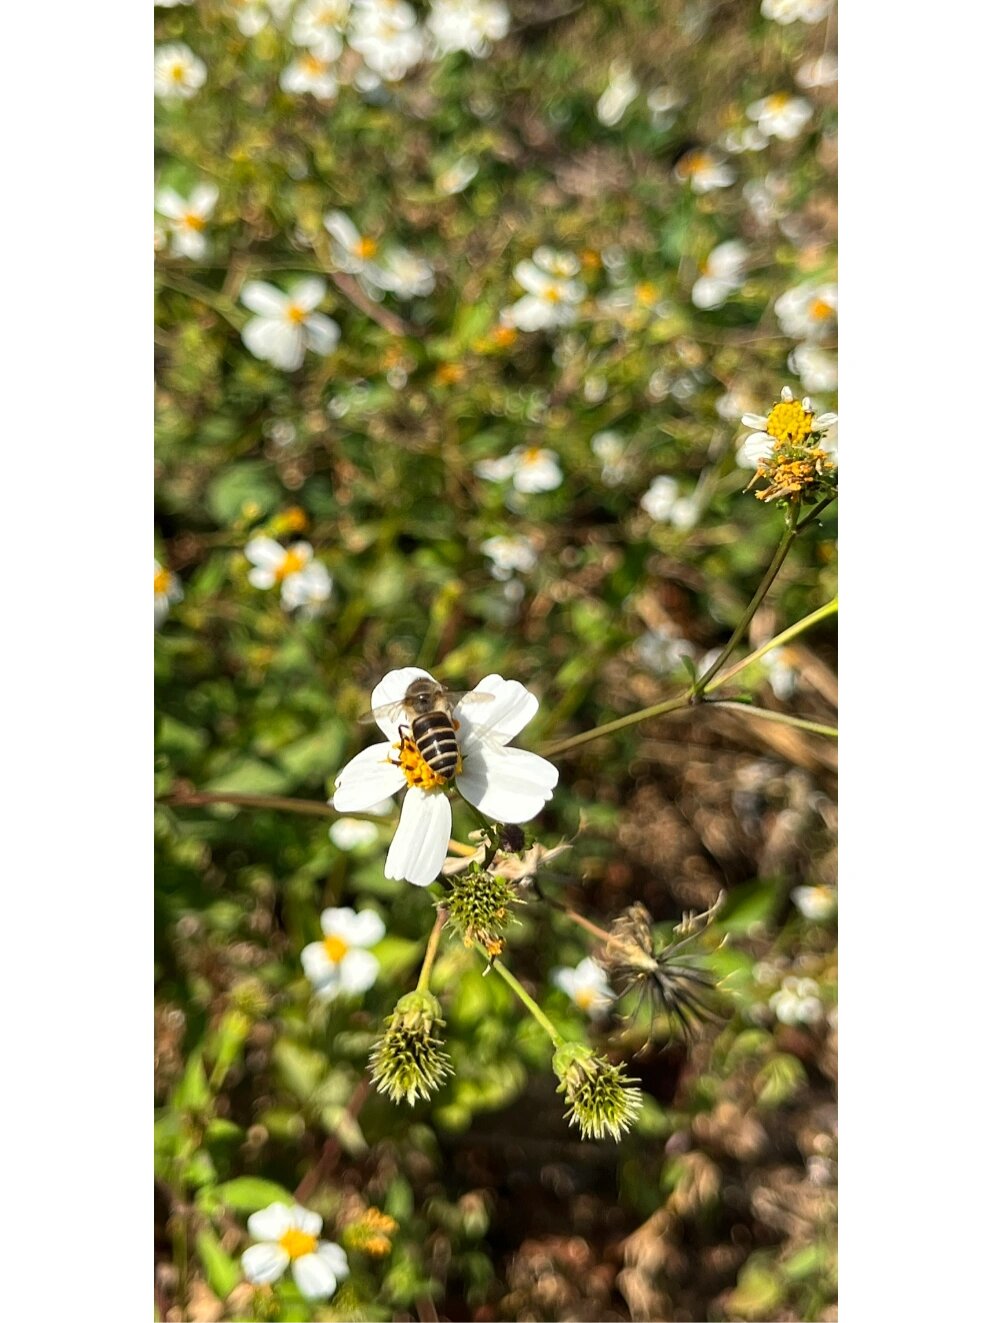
x=783 y=718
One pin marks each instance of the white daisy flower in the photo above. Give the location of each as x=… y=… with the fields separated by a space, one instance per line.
x=467 y=25
x=313 y=73
x=781 y=115
x=821 y=72
x=815 y=903
x=179 y=74
x=720 y=274
x=665 y=506
x=385 y=34
x=168 y=589
x=288 y=1237
x=353 y=252
x=794 y=423
x=509 y=554
x=621 y=92
x=506 y=785
x=704 y=171
x=532 y=469
x=340 y=964
x=305 y=581
x=457 y=177
x=318 y=24
x=552 y=292
x=404 y=274
x=286 y=325
x=808 y=311
x=586 y=984
x=788 y=11
x=188 y=218
x=816 y=368
x=797 y=1001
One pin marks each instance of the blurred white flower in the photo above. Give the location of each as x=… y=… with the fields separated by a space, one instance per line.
x=552 y=295
x=340 y=964
x=168 y=589
x=665 y=506
x=808 y=311
x=663 y=102
x=304 y=581
x=506 y=785
x=586 y=984
x=782 y=675
x=532 y=469
x=821 y=72
x=467 y=25
x=781 y=115
x=620 y=93
x=610 y=449
x=509 y=554
x=794 y=424
x=287 y=325
x=797 y=1001
x=404 y=274
x=289 y=1238
x=748 y=139
x=318 y=24
x=313 y=73
x=253 y=16
x=662 y=650
x=816 y=368
x=720 y=274
x=703 y=170
x=767 y=198
x=732 y=403
x=188 y=218
x=352 y=251
x=385 y=34
x=457 y=177
x=788 y=11
x=815 y=903
x=179 y=74
x=352 y=833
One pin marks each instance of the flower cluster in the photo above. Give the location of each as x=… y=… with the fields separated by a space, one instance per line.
x=789 y=451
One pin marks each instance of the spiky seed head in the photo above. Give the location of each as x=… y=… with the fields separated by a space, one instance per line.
x=478 y=906
x=602 y=1100
x=409 y=1061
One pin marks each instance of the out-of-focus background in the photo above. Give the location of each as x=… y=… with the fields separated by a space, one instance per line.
x=459 y=309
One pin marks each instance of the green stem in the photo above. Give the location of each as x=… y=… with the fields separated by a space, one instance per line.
x=782 y=717
x=645 y=714
x=524 y=996
x=199 y=798
x=433 y=942
x=786 y=636
x=223 y=307
x=815 y=513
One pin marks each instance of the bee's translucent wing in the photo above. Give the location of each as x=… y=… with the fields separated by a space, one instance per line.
x=471 y=696
x=387 y=711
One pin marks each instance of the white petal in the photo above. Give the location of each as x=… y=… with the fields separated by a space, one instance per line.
x=169 y=203
x=314 y=1277
x=203 y=199
x=367 y=779
x=757 y=446
x=362 y=929
x=263 y=298
x=265 y=552
x=532 y=278
x=566 y=979
x=261 y=578
x=507 y=785
x=390 y=689
x=322 y=333
x=270 y=1223
x=512 y=708
x=359 y=970
x=305 y=1220
x=335 y=1258
x=307 y=293
x=264 y=1263
x=755 y=420
x=340 y=227
x=710 y=292
x=421 y=840
x=317 y=964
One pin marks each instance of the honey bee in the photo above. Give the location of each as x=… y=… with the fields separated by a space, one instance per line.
x=432 y=725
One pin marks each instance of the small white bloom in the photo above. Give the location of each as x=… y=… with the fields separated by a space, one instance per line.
x=704 y=171
x=586 y=984
x=168 y=589
x=620 y=93
x=313 y=73
x=720 y=274
x=781 y=115
x=340 y=963
x=788 y=11
x=318 y=24
x=188 y=218
x=552 y=291
x=467 y=25
x=748 y=139
x=287 y=325
x=663 y=103
x=665 y=506
x=509 y=554
x=760 y=443
x=808 y=311
x=404 y=274
x=352 y=251
x=179 y=74
x=610 y=449
x=457 y=177
x=385 y=34
x=353 y=833
x=305 y=582
x=288 y=1235
x=821 y=72
x=782 y=675
x=662 y=650
x=504 y=784
x=532 y=469
x=815 y=903
x=797 y=1001
x=816 y=368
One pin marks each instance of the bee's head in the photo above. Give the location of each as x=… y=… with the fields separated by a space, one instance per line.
x=423 y=696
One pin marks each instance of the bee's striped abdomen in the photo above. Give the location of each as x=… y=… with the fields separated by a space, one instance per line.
x=434 y=736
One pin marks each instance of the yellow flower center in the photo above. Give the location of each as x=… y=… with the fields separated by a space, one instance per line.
x=295 y=314
x=532 y=455
x=366 y=248
x=779 y=101
x=162 y=580
x=177 y=73
x=297 y=1243
x=552 y=294
x=292 y=563
x=194 y=222
x=504 y=336
x=789 y=421
x=694 y=162
x=820 y=311
x=336 y=948
x=416 y=771
x=645 y=292
x=312 y=64
x=584 y=998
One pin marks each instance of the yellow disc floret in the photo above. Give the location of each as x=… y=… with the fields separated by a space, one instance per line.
x=292 y=563
x=416 y=771
x=336 y=948
x=789 y=421
x=297 y=1243
x=163 y=581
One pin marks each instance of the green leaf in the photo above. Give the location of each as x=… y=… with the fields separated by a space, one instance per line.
x=236 y=490
x=249 y=776
x=247 y=1194
x=222 y=1272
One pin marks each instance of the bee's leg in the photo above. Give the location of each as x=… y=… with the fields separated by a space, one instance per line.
x=404 y=734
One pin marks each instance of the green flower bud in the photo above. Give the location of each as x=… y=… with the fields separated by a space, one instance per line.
x=409 y=1060
x=601 y=1098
